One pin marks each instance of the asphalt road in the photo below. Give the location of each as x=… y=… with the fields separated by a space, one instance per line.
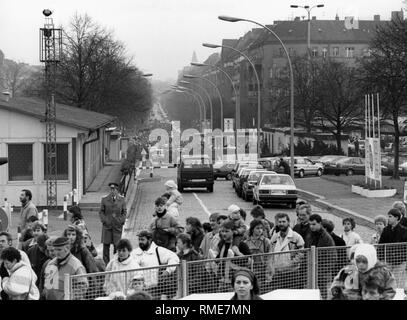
x=200 y=203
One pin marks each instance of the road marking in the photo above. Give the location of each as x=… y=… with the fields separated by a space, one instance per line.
x=202 y=205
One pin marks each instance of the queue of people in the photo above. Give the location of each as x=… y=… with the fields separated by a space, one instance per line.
x=260 y=257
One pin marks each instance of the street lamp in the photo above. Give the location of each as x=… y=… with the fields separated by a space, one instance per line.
x=214 y=46
x=190 y=76
x=196 y=64
x=308 y=8
x=207 y=95
x=234 y=19
x=198 y=95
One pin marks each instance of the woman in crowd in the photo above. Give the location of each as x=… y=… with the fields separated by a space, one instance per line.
x=380 y=222
x=245 y=285
x=194 y=229
x=79 y=249
x=76 y=217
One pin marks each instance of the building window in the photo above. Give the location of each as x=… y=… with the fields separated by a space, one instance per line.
x=324 y=52
x=314 y=52
x=62 y=161
x=335 y=51
x=20 y=162
x=349 y=52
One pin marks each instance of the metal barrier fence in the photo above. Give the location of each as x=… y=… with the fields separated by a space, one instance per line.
x=299 y=269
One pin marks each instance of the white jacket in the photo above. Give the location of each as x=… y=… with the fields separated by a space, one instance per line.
x=149 y=258
x=119 y=281
x=21 y=283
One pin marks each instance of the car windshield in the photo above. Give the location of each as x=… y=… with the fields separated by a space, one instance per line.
x=276 y=179
x=255 y=175
x=196 y=163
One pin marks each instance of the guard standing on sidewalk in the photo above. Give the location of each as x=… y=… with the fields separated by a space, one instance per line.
x=113 y=216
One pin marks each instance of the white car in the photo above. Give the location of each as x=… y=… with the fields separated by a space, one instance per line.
x=275 y=188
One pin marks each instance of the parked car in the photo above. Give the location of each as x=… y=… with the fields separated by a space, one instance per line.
x=249 y=184
x=304 y=166
x=388 y=165
x=243 y=176
x=224 y=171
x=275 y=188
x=350 y=166
x=329 y=158
x=330 y=165
x=195 y=172
x=271 y=163
x=239 y=165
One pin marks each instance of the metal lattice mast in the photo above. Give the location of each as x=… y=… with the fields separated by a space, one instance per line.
x=50 y=51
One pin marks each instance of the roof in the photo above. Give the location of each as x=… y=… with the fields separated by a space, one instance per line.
x=65 y=115
x=322 y=31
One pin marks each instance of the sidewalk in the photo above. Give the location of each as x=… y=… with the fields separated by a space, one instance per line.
x=339 y=196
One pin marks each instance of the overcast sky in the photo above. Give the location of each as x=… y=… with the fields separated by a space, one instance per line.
x=161 y=35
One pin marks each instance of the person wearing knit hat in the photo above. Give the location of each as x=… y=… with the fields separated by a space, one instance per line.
x=245 y=285
x=175 y=200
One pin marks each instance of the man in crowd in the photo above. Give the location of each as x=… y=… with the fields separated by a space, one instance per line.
x=28 y=208
x=113 y=216
x=37 y=255
x=401 y=206
x=320 y=238
x=395 y=255
x=38 y=229
x=284 y=267
x=148 y=254
x=342 y=257
x=54 y=274
x=164 y=227
x=211 y=239
x=302 y=227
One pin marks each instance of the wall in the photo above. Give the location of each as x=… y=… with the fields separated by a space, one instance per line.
x=17 y=128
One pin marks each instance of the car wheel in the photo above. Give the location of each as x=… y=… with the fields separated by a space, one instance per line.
x=228 y=176
x=349 y=172
x=301 y=174
x=210 y=188
x=319 y=172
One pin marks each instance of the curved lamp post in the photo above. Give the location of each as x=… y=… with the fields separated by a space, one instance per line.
x=200 y=99
x=190 y=76
x=209 y=45
x=207 y=95
x=234 y=19
x=196 y=64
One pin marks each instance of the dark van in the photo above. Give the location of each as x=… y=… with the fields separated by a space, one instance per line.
x=195 y=172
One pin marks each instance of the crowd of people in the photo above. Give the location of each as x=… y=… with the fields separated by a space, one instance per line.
x=249 y=258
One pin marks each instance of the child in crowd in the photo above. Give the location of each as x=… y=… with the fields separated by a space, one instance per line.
x=347 y=285
x=239 y=228
x=349 y=236
x=380 y=222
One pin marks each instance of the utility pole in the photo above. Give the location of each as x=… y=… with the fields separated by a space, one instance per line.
x=50 y=54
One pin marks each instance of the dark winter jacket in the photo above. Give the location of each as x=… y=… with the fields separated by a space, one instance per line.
x=196 y=238
x=395 y=254
x=37 y=259
x=192 y=255
x=302 y=229
x=86 y=258
x=254 y=297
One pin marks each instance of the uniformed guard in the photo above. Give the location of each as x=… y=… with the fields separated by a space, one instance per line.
x=113 y=216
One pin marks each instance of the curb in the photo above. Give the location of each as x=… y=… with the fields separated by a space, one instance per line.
x=319 y=201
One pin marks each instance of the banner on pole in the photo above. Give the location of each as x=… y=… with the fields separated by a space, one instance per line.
x=372 y=160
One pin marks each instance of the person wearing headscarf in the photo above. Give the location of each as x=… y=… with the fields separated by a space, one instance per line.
x=245 y=285
x=347 y=285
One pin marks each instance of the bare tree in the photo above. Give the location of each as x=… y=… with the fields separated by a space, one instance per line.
x=13 y=76
x=340 y=100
